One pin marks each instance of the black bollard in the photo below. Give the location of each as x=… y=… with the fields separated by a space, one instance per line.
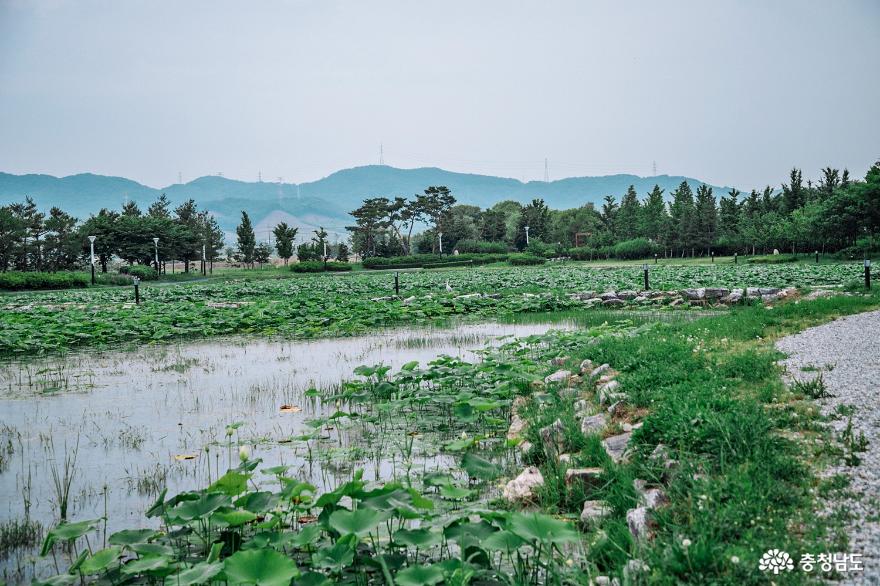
x=137 y=291
x=817 y=257
x=734 y=258
x=655 y=258
x=645 y=270
x=712 y=254
x=867 y=274
x=397 y=284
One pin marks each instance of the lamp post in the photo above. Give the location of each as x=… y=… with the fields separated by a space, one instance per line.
x=156 y=246
x=440 y=234
x=527 y=235
x=92 y=246
x=867 y=273
x=203 y=260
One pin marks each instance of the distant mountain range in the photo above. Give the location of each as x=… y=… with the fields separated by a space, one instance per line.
x=325 y=202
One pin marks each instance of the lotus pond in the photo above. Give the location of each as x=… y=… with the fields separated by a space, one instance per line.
x=312 y=306
x=377 y=432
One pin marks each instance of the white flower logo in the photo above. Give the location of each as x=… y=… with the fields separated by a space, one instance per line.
x=775 y=560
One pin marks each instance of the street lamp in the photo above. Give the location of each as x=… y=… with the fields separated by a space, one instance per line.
x=92 y=246
x=156 y=245
x=440 y=234
x=203 y=259
x=527 y=235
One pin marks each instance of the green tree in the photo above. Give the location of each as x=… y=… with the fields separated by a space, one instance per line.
x=535 y=215
x=706 y=218
x=627 y=222
x=247 y=240
x=284 y=237
x=655 y=221
x=262 y=253
x=682 y=218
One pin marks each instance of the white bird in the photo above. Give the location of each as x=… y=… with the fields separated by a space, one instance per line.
x=448 y=288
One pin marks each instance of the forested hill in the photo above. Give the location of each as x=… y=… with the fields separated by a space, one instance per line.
x=326 y=200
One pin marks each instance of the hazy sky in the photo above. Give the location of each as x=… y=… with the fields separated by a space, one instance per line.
x=734 y=93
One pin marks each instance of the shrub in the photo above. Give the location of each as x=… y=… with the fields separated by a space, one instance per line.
x=634 y=249
x=582 y=253
x=142 y=272
x=772 y=259
x=308 y=266
x=481 y=247
x=21 y=281
x=526 y=259
x=430 y=260
x=338 y=266
x=112 y=279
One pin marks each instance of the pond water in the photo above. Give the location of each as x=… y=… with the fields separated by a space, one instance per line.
x=157 y=417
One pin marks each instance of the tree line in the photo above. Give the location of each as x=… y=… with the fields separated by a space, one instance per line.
x=31 y=240
x=836 y=213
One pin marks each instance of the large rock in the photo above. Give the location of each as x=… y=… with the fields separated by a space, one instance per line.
x=735 y=296
x=560 y=377
x=639 y=522
x=553 y=437
x=599 y=371
x=522 y=488
x=594 y=512
x=615 y=446
x=518 y=425
x=716 y=292
x=590 y=477
x=409 y=300
x=609 y=392
x=628 y=295
x=614 y=302
x=818 y=294
x=560 y=360
x=586 y=366
x=583 y=408
x=518 y=403
x=608 y=295
x=694 y=294
x=593 y=424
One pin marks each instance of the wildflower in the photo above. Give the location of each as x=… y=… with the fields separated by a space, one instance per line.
x=569 y=562
x=244 y=453
x=734 y=559
x=685 y=543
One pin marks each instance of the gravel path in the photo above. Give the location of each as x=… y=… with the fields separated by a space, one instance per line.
x=847 y=353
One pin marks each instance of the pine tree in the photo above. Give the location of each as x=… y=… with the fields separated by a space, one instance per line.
x=728 y=219
x=655 y=219
x=682 y=217
x=247 y=240
x=628 y=215
x=706 y=218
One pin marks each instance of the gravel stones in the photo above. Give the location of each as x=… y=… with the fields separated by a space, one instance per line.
x=850 y=345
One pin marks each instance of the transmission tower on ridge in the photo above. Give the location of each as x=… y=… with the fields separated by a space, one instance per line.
x=546 y=171
x=381 y=154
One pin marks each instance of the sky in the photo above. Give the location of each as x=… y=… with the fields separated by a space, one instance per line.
x=733 y=93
